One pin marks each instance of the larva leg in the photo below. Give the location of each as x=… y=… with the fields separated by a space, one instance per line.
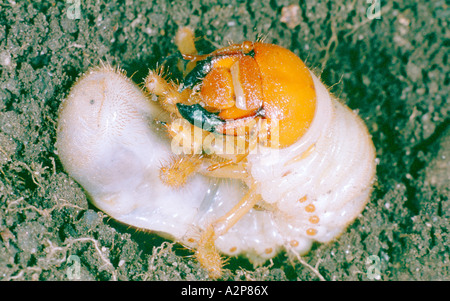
x=178 y=169
x=250 y=144
x=243 y=48
x=206 y=253
x=167 y=92
x=191 y=140
x=223 y=224
x=227 y=163
x=185 y=41
x=233 y=171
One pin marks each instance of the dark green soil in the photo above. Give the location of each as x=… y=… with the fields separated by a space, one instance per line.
x=394 y=70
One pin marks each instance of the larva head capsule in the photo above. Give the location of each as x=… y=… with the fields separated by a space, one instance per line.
x=249 y=81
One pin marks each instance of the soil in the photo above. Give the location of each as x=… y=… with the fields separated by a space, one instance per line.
x=388 y=61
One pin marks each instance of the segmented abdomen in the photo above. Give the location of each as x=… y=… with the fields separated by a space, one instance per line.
x=322 y=182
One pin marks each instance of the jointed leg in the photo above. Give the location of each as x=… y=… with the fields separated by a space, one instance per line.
x=223 y=224
x=234 y=49
x=226 y=170
x=206 y=252
x=168 y=93
x=185 y=41
x=227 y=163
x=178 y=169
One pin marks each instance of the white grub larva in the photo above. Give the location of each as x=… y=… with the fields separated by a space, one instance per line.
x=309 y=187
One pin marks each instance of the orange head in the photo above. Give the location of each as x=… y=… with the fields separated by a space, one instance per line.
x=257 y=79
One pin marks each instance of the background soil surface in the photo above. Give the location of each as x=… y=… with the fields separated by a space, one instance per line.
x=392 y=69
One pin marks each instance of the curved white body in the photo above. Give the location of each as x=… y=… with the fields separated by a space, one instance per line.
x=332 y=167
x=114 y=149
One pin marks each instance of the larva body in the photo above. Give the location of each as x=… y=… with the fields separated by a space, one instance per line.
x=110 y=139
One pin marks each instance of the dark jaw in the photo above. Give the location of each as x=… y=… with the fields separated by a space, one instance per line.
x=200 y=117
